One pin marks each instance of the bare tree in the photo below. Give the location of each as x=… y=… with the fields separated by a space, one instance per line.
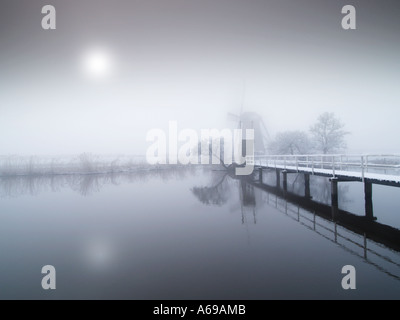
x=328 y=133
x=290 y=142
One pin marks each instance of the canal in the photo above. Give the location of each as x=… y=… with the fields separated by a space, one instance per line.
x=187 y=233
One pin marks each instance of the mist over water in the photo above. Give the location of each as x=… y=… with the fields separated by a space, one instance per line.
x=176 y=234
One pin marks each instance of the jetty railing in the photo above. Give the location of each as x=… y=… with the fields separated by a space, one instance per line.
x=332 y=163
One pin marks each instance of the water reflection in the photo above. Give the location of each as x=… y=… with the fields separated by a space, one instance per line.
x=222 y=187
x=379 y=243
x=180 y=239
x=349 y=236
x=84 y=184
x=216 y=193
x=320 y=187
x=247 y=200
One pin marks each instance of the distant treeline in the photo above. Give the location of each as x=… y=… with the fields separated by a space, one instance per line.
x=81 y=164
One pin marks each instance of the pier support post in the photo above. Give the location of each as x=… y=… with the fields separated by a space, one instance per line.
x=278 y=179
x=334 y=197
x=307 y=193
x=284 y=177
x=260 y=175
x=369 y=212
x=334 y=192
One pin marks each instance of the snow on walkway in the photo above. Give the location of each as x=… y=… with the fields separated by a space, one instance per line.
x=338 y=173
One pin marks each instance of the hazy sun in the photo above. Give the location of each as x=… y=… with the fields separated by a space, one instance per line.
x=97 y=63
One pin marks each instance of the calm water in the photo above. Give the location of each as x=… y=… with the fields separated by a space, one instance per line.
x=184 y=234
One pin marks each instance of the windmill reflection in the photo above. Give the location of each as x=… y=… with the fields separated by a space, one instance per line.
x=220 y=190
x=247 y=200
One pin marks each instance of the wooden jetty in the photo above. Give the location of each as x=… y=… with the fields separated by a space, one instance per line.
x=368 y=169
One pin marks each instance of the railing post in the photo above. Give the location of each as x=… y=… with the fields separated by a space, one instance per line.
x=366 y=162
x=333 y=166
x=341 y=160
x=362 y=168
x=284 y=162
x=365 y=245
x=314 y=222
x=312 y=165
x=297 y=163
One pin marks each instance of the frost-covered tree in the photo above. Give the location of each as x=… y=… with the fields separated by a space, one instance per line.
x=328 y=134
x=290 y=142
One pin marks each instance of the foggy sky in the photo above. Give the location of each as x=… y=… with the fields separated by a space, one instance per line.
x=190 y=60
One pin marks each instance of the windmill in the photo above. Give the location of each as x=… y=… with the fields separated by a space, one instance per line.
x=251 y=120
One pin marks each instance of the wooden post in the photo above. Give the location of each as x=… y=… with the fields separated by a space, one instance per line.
x=278 y=178
x=334 y=198
x=369 y=212
x=307 y=186
x=284 y=176
x=334 y=192
x=260 y=174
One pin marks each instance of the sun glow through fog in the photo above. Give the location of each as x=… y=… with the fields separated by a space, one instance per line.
x=97 y=63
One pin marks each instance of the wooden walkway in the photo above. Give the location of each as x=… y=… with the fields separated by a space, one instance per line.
x=375 y=169
x=368 y=169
